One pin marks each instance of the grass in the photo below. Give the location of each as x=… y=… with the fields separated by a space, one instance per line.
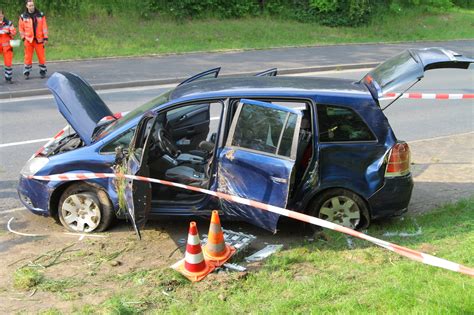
x=325 y=277
x=64 y=288
x=133 y=36
x=27 y=278
x=308 y=277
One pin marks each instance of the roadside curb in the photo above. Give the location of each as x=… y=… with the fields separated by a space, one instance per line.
x=238 y=50
x=142 y=83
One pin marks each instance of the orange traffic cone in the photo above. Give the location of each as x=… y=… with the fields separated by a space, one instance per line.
x=216 y=250
x=193 y=266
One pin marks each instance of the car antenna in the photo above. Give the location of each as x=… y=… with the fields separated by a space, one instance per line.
x=401 y=94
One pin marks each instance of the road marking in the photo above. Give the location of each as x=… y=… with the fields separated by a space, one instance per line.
x=108 y=91
x=442 y=137
x=82 y=236
x=19 y=233
x=12 y=210
x=12 y=144
x=25 y=99
x=139 y=88
x=311 y=74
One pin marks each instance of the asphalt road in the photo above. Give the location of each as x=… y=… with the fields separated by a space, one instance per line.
x=37 y=118
x=140 y=71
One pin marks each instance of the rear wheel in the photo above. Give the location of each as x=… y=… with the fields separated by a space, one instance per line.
x=84 y=208
x=342 y=207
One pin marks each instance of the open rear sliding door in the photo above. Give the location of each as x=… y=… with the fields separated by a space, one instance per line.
x=258 y=159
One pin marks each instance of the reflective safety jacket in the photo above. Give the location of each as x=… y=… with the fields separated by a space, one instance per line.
x=27 y=28
x=7 y=32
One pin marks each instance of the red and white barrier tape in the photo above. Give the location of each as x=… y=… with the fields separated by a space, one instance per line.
x=429 y=96
x=409 y=253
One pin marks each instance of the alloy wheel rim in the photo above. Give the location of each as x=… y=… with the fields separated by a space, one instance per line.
x=341 y=210
x=81 y=212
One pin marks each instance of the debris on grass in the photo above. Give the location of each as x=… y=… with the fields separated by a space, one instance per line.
x=115 y=263
x=49 y=258
x=111 y=258
x=264 y=253
x=350 y=242
x=60 y=285
x=120 y=305
x=418 y=232
x=235 y=267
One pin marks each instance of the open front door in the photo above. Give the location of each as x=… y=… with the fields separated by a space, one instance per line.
x=258 y=159
x=138 y=193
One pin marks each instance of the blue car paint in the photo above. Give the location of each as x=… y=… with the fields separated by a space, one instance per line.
x=248 y=174
x=69 y=89
x=322 y=173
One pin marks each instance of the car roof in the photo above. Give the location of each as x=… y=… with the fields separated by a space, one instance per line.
x=269 y=86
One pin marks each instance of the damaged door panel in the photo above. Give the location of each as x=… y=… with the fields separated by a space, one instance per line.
x=258 y=159
x=138 y=193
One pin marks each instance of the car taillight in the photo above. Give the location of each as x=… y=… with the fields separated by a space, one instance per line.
x=398 y=161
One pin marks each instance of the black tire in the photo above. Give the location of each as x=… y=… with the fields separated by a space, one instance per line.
x=333 y=200
x=100 y=213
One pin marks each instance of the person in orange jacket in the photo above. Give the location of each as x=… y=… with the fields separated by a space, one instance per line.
x=7 y=32
x=34 y=33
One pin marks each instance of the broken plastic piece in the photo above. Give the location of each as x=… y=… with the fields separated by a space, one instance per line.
x=264 y=253
x=235 y=267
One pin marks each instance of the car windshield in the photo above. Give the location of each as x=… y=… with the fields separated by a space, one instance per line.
x=395 y=72
x=163 y=98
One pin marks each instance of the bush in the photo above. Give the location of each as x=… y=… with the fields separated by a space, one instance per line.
x=469 y=4
x=325 y=12
x=339 y=12
x=425 y=4
x=202 y=8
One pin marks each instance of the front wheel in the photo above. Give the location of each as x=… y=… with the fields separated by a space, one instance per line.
x=84 y=208
x=342 y=207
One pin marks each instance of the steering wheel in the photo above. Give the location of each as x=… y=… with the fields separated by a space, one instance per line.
x=166 y=144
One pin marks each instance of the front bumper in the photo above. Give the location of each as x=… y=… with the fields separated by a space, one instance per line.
x=34 y=195
x=393 y=198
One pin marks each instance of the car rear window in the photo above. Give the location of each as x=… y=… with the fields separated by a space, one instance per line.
x=341 y=124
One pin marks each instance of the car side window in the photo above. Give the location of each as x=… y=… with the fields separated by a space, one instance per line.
x=123 y=140
x=265 y=129
x=340 y=124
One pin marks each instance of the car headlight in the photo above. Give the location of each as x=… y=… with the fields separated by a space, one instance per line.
x=33 y=166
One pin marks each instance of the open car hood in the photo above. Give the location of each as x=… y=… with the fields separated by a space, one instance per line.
x=409 y=67
x=79 y=104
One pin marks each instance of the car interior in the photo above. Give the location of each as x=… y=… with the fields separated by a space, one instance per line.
x=182 y=149
x=184 y=142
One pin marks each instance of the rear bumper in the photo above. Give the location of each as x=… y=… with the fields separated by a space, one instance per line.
x=34 y=195
x=393 y=198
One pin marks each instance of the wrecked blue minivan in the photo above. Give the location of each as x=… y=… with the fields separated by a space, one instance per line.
x=315 y=145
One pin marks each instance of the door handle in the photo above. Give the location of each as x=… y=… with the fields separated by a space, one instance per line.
x=278 y=180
